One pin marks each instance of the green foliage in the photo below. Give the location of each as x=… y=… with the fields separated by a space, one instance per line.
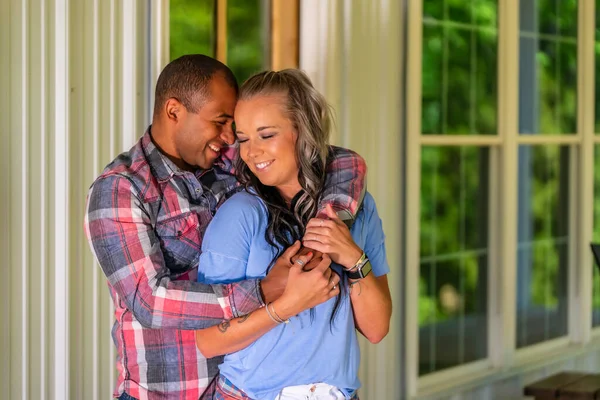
x=459 y=96
x=192 y=25
x=246 y=37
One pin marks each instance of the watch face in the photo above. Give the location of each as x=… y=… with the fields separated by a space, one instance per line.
x=362 y=271
x=366 y=269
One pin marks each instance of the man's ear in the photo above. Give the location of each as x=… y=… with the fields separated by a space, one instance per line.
x=173 y=109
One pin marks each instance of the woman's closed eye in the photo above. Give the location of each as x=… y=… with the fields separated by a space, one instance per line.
x=267 y=135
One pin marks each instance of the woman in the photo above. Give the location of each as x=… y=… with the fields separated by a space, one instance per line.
x=303 y=344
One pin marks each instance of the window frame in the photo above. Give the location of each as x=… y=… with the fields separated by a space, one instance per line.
x=284 y=33
x=503 y=355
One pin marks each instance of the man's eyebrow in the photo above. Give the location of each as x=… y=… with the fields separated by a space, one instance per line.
x=224 y=115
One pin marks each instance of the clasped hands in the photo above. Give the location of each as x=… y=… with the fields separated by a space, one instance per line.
x=325 y=240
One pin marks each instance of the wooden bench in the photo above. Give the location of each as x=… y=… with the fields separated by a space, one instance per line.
x=566 y=386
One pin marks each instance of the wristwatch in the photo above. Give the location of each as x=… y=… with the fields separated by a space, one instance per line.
x=361 y=269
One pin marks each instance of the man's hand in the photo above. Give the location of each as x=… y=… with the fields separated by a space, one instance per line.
x=273 y=285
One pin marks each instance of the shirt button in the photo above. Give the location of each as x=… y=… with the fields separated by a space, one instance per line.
x=197 y=190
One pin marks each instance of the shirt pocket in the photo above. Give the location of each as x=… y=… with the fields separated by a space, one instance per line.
x=180 y=241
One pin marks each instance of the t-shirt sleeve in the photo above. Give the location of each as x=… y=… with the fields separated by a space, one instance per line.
x=228 y=239
x=375 y=239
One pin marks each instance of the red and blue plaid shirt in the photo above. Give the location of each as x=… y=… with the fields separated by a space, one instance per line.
x=144 y=221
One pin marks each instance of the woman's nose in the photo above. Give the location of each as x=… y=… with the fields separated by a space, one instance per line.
x=254 y=149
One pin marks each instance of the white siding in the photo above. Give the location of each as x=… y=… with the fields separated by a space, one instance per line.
x=66 y=114
x=352 y=51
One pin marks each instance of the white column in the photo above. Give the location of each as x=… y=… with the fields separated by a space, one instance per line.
x=5 y=242
x=60 y=177
x=128 y=73
x=159 y=42
x=352 y=51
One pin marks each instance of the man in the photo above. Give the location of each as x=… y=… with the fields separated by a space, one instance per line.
x=146 y=215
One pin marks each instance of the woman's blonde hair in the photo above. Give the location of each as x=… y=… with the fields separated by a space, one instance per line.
x=311 y=117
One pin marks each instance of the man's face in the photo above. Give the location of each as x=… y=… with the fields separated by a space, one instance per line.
x=202 y=135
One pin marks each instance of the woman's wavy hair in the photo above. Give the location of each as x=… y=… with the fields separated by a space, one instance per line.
x=311 y=117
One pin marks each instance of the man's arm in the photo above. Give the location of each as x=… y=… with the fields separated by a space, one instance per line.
x=345 y=185
x=123 y=240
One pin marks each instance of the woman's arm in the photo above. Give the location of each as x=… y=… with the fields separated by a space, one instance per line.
x=303 y=291
x=370 y=296
x=372 y=306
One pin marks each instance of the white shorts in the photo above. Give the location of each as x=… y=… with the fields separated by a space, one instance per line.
x=315 y=391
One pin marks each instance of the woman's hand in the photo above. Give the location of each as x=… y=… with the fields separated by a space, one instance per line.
x=332 y=237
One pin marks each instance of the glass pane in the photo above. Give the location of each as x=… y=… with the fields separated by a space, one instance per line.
x=191 y=25
x=596 y=239
x=548 y=67
x=454 y=257
x=247 y=37
x=459 y=67
x=483 y=12
x=542 y=247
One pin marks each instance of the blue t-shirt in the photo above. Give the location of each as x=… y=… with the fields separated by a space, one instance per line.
x=307 y=350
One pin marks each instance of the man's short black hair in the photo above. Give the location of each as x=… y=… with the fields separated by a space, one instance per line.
x=187 y=78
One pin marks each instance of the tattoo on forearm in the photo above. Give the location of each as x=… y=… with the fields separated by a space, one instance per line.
x=223 y=326
x=353 y=284
x=244 y=318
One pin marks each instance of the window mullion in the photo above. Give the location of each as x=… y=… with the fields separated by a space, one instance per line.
x=502 y=279
x=284 y=34
x=413 y=184
x=221 y=30
x=580 y=296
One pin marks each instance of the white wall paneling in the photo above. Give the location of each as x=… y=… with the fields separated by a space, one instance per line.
x=74 y=93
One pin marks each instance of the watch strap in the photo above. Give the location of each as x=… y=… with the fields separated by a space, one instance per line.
x=360 y=271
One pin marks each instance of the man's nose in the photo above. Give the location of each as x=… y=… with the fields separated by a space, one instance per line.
x=227 y=135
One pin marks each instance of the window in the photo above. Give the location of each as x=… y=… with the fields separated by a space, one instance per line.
x=596 y=236
x=596 y=204
x=454 y=257
x=499 y=142
x=242 y=41
x=547 y=106
x=459 y=96
x=542 y=250
x=459 y=67
x=192 y=27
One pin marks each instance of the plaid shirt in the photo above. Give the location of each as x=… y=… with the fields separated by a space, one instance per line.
x=144 y=221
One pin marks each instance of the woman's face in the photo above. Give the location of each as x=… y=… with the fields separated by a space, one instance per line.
x=268 y=142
